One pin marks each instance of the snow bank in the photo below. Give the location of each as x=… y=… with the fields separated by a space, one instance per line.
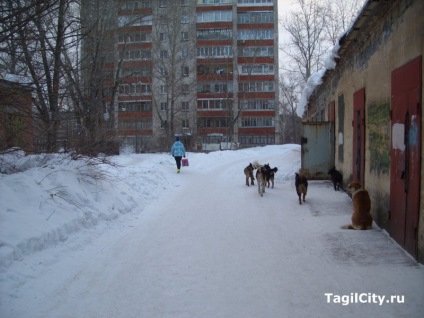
x=46 y=198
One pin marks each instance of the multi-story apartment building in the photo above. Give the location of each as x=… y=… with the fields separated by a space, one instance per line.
x=203 y=69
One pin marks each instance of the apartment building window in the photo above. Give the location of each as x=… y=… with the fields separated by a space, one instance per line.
x=256 y=34
x=255 y=17
x=185 y=106
x=185 y=19
x=259 y=104
x=163 y=36
x=134 y=37
x=163 y=71
x=132 y=5
x=256 y=87
x=185 y=124
x=163 y=106
x=135 y=89
x=163 y=54
x=184 y=36
x=212 y=122
x=135 y=124
x=257 y=122
x=218 y=69
x=257 y=69
x=145 y=4
x=135 y=72
x=255 y=1
x=143 y=106
x=214 y=34
x=185 y=70
x=163 y=3
x=256 y=140
x=213 y=52
x=184 y=54
x=255 y=51
x=215 y=16
x=135 y=55
x=163 y=89
x=134 y=20
x=213 y=1
x=210 y=87
x=217 y=104
x=203 y=104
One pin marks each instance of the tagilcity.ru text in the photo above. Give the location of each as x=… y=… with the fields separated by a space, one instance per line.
x=363 y=298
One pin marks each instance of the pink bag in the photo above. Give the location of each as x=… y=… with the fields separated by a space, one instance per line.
x=184 y=162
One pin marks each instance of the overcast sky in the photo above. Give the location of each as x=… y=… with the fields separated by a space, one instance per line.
x=284 y=6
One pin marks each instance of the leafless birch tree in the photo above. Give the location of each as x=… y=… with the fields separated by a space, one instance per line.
x=313 y=28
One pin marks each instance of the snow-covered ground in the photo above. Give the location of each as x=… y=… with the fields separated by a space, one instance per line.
x=147 y=242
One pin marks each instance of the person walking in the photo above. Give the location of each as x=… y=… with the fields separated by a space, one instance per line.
x=178 y=152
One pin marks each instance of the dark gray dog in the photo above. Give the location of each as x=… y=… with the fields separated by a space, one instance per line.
x=337 y=178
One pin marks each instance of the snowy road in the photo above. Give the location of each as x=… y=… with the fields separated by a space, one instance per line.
x=211 y=247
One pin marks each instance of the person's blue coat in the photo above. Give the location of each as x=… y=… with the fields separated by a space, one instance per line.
x=177 y=149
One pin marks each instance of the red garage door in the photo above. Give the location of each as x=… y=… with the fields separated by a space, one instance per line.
x=405 y=154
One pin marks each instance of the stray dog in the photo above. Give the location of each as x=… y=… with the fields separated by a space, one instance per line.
x=301 y=184
x=336 y=177
x=270 y=175
x=260 y=177
x=248 y=172
x=361 y=217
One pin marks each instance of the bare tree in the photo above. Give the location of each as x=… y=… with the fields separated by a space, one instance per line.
x=339 y=17
x=42 y=58
x=92 y=74
x=35 y=35
x=289 y=119
x=306 y=47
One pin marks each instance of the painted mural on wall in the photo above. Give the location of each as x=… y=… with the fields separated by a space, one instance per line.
x=379 y=137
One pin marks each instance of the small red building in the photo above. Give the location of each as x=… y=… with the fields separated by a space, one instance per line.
x=15 y=114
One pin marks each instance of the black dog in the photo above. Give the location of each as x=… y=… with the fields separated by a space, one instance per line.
x=270 y=173
x=336 y=177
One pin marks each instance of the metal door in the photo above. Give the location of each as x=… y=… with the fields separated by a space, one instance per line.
x=405 y=154
x=317 y=149
x=359 y=136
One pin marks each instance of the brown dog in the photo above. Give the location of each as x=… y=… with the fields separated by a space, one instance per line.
x=301 y=184
x=260 y=176
x=248 y=172
x=361 y=217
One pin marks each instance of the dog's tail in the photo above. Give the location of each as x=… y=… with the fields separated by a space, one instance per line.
x=347 y=227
